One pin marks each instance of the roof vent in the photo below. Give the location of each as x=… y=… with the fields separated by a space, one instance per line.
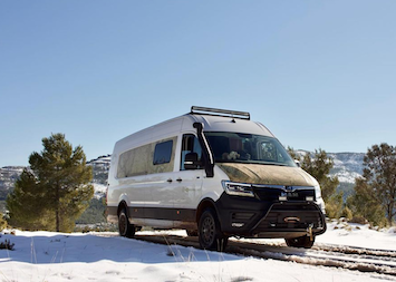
x=220 y=112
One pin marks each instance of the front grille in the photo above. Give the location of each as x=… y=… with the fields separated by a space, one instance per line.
x=273 y=193
x=293 y=207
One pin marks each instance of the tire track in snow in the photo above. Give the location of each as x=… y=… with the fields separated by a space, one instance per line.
x=346 y=257
x=312 y=257
x=355 y=250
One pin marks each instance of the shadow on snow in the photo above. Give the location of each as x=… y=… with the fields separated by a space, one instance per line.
x=87 y=248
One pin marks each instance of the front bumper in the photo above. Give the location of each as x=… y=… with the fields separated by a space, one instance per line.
x=253 y=218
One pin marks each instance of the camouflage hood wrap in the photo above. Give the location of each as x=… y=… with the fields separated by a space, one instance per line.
x=267 y=174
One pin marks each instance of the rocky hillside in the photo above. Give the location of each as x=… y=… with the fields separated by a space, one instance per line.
x=100 y=169
x=347 y=166
x=8 y=176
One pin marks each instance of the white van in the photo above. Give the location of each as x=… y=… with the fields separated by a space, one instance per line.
x=216 y=174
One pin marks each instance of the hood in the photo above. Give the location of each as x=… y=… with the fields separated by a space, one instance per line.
x=267 y=174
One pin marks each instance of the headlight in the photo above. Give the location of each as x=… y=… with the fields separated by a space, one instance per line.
x=319 y=199
x=239 y=189
x=318 y=193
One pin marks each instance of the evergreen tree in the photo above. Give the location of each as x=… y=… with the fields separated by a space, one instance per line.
x=319 y=166
x=375 y=193
x=56 y=191
x=95 y=213
x=293 y=154
x=26 y=203
x=363 y=205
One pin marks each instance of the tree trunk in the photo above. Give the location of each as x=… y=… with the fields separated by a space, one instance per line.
x=57 y=220
x=57 y=209
x=389 y=215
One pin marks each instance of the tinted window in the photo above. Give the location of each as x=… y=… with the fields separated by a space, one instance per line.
x=135 y=162
x=163 y=153
x=139 y=161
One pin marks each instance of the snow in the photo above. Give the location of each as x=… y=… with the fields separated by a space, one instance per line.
x=357 y=235
x=100 y=190
x=347 y=177
x=55 y=257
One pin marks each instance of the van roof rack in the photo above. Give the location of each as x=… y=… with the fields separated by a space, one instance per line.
x=220 y=112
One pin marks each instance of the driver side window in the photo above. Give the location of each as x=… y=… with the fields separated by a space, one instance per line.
x=190 y=145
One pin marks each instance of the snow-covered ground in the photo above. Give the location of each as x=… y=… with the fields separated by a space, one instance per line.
x=54 y=257
x=350 y=234
x=357 y=235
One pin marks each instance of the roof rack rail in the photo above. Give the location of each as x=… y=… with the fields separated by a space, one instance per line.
x=220 y=112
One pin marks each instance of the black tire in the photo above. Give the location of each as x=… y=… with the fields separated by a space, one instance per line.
x=301 y=242
x=125 y=229
x=210 y=235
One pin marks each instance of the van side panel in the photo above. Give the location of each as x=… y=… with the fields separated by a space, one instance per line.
x=135 y=179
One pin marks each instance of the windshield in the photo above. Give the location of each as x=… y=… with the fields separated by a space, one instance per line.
x=247 y=148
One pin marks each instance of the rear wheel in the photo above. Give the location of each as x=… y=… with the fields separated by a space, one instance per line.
x=124 y=227
x=301 y=242
x=210 y=235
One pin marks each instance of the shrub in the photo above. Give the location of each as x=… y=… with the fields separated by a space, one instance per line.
x=7 y=245
x=358 y=220
x=3 y=222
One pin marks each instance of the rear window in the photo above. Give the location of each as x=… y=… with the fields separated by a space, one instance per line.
x=163 y=153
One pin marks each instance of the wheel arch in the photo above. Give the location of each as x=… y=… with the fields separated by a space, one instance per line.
x=122 y=206
x=203 y=205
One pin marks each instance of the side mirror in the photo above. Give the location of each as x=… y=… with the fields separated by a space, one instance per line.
x=208 y=161
x=191 y=161
x=297 y=163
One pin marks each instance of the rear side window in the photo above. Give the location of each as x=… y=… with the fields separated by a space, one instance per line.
x=163 y=153
x=151 y=158
x=135 y=162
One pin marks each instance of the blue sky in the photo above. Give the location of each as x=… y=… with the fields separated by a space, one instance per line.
x=319 y=74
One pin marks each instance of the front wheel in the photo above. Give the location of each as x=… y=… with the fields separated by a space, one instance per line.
x=124 y=227
x=301 y=242
x=210 y=235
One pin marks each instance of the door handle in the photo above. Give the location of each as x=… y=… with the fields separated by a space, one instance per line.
x=169 y=180
x=179 y=180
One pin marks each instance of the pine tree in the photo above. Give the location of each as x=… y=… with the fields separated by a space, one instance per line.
x=375 y=192
x=319 y=166
x=26 y=203
x=293 y=154
x=56 y=191
x=364 y=206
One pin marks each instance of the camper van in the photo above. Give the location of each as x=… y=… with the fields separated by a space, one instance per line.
x=216 y=174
